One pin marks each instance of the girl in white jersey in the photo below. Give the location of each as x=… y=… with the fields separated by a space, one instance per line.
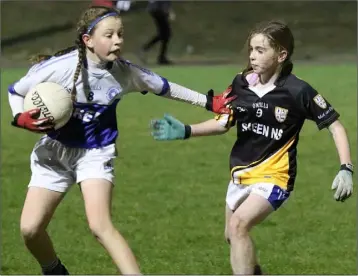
x=84 y=149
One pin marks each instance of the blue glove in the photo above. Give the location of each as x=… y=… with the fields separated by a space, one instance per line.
x=169 y=128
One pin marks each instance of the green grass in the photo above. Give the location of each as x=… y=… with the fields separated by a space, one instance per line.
x=169 y=197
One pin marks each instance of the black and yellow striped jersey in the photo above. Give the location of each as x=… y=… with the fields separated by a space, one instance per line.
x=268 y=126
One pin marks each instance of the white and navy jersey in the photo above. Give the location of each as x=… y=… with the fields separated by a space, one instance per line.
x=93 y=123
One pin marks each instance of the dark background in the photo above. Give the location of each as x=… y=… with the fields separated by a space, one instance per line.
x=203 y=31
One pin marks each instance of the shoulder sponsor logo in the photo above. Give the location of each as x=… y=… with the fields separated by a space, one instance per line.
x=319 y=100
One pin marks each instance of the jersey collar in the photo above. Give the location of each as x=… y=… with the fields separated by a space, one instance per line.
x=280 y=81
x=97 y=67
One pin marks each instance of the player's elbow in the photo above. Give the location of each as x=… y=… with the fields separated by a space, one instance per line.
x=337 y=130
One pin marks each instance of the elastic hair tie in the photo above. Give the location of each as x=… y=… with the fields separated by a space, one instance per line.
x=94 y=23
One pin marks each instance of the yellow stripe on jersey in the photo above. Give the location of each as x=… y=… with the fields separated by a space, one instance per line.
x=231 y=118
x=273 y=170
x=226 y=120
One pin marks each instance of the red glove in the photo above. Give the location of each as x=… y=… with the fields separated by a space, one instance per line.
x=218 y=104
x=28 y=121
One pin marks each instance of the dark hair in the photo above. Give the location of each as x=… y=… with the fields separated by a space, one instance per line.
x=86 y=20
x=280 y=37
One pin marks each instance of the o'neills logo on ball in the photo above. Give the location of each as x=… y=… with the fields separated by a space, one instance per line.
x=38 y=102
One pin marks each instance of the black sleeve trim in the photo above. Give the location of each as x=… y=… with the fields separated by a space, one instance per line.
x=328 y=121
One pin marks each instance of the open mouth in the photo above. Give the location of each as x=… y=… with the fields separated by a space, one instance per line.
x=116 y=52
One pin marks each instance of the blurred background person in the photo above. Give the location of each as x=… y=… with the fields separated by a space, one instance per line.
x=162 y=14
x=123 y=6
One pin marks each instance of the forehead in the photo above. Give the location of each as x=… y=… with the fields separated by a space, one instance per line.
x=112 y=22
x=259 y=40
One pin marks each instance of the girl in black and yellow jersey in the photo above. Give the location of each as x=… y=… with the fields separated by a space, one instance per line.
x=269 y=111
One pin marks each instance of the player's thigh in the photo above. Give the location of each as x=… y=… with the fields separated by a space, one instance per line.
x=252 y=211
x=97 y=196
x=263 y=199
x=50 y=180
x=95 y=173
x=274 y=194
x=39 y=207
x=235 y=196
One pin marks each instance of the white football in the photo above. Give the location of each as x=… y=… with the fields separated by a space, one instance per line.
x=53 y=100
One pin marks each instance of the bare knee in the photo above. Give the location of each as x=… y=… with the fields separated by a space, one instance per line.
x=238 y=227
x=100 y=228
x=39 y=206
x=30 y=230
x=97 y=195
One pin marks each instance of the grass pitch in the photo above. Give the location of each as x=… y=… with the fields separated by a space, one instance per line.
x=170 y=196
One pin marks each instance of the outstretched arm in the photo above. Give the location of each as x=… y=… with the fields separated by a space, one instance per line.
x=216 y=104
x=343 y=182
x=144 y=80
x=210 y=127
x=170 y=128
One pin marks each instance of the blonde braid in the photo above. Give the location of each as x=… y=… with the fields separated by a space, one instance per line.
x=81 y=59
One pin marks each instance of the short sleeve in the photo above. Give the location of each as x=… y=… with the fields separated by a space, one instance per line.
x=316 y=108
x=226 y=120
x=145 y=80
